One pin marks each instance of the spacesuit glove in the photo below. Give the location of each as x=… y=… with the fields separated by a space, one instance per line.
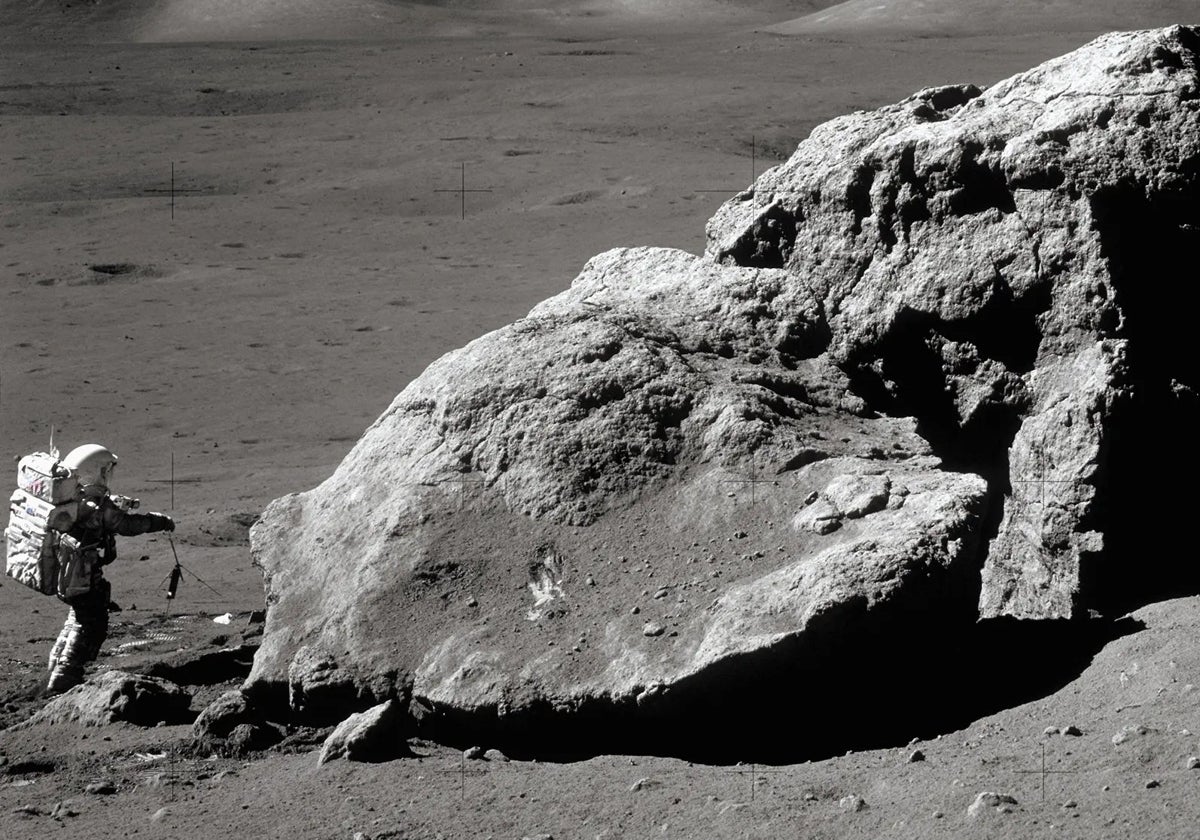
x=163 y=522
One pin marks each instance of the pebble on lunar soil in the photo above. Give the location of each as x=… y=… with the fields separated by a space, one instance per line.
x=915 y=756
x=853 y=803
x=988 y=799
x=63 y=810
x=1193 y=763
x=644 y=784
x=651 y=629
x=1128 y=732
x=100 y=788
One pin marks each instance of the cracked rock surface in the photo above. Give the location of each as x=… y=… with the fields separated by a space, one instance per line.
x=896 y=385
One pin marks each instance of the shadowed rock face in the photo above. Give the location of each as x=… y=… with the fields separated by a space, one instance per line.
x=894 y=396
x=979 y=268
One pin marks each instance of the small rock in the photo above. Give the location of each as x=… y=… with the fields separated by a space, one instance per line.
x=590 y=581
x=820 y=517
x=732 y=806
x=1070 y=803
x=649 y=693
x=1193 y=763
x=246 y=738
x=63 y=810
x=28 y=810
x=100 y=788
x=810 y=797
x=471 y=602
x=740 y=535
x=661 y=593
x=915 y=756
x=367 y=736
x=1153 y=783
x=159 y=815
x=987 y=799
x=1050 y=730
x=1073 y=731
x=359 y=835
x=1128 y=732
x=644 y=784
x=538 y=837
x=853 y=803
x=112 y=696
x=937 y=815
x=494 y=755
x=635 y=610
x=652 y=629
x=474 y=753
x=222 y=715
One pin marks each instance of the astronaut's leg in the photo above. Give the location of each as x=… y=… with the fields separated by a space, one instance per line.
x=70 y=626
x=81 y=637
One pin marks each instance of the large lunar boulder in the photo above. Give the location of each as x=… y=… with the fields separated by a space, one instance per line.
x=889 y=396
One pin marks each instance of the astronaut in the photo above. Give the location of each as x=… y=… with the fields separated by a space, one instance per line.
x=99 y=521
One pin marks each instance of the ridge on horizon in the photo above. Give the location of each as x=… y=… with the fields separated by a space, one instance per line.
x=989 y=16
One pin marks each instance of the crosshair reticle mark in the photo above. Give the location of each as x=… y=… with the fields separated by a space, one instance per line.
x=462 y=772
x=753 y=172
x=174 y=190
x=1044 y=771
x=1028 y=492
x=755 y=773
x=462 y=190
x=752 y=479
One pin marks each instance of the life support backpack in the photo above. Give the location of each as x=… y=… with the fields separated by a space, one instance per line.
x=40 y=553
